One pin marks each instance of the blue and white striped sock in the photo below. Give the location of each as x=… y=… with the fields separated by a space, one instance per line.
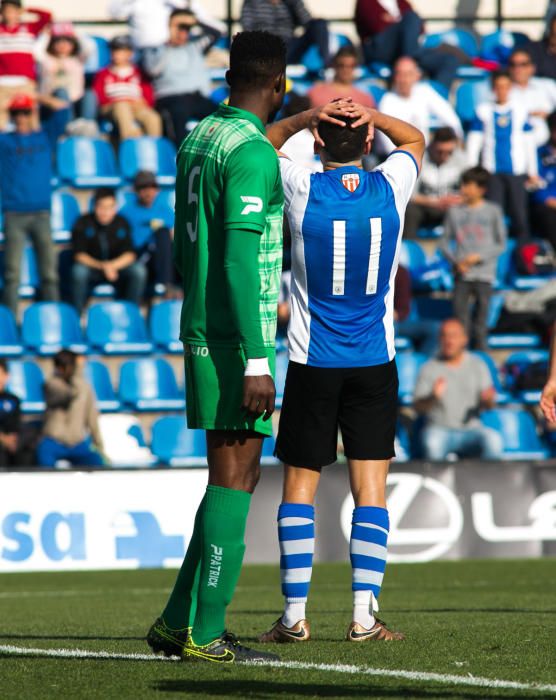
x=296 y=533
x=368 y=548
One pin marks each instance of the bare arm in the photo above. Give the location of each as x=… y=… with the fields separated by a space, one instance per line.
x=548 y=398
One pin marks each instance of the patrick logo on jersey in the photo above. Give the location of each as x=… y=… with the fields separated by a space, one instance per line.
x=351 y=181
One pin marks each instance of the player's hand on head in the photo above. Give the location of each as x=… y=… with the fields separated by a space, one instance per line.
x=259 y=396
x=332 y=113
x=363 y=115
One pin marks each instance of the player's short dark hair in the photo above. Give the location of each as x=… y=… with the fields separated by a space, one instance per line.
x=256 y=58
x=498 y=74
x=444 y=135
x=64 y=358
x=104 y=193
x=479 y=175
x=343 y=143
x=4 y=365
x=551 y=121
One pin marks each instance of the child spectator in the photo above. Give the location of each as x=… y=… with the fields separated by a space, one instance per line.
x=26 y=190
x=502 y=140
x=124 y=95
x=345 y=63
x=62 y=69
x=103 y=253
x=474 y=238
x=10 y=422
x=17 y=44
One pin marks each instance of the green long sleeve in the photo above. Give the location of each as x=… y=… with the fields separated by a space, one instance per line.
x=244 y=286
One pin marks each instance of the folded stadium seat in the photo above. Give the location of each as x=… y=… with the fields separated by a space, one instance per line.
x=402 y=344
x=505 y=341
x=64 y=213
x=381 y=70
x=29 y=279
x=519 y=362
x=98 y=376
x=377 y=91
x=519 y=431
x=220 y=94
x=280 y=378
x=461 y=39
x=10 y=342
x=312 y=59
x=498 y=45
x=98 y=55
x=267 y=458
x=87 y=163
x=426 y=275
x=124 y=442
x=26 y=382
x=50 y=326
x=150 y=385
x=164 y=325
x=468 y=96
x=502 y=396
x=409 y=364
x=158 y=155
x=117 y=328
x=504 y=266
x=174 y=444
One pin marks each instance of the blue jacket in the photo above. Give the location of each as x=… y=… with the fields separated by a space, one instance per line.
x=547 y=171
x=25 y=172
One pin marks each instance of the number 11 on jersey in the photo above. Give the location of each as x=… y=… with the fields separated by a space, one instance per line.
x=339 y=257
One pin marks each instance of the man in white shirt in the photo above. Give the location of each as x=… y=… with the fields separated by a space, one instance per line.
x=415 y=102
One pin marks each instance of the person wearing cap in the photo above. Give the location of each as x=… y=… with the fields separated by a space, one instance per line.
x=17 y=45
x=62 y=68
x=25 y=192
x=152 y=222
x=124 y=95
x=180 y=75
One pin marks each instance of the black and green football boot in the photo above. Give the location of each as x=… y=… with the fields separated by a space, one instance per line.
x=162 y=639
x=226 y=650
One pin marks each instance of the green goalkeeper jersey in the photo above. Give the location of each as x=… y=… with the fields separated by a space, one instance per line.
x=228 y=178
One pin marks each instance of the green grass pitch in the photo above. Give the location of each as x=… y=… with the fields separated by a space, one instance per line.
x=493 y=619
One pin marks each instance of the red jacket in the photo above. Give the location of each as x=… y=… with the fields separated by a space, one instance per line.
x=370 y=17
x=111 y=87
x=17 y=45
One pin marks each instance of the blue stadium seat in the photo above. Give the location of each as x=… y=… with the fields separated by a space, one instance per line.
x=64 y=213
x=312 y=59
x=148 y=153
x=514 y=366
x=164 y=325
x=267 y=458
x=460 y=38
x=150 y=385
x=498 y=45
x=99 y=55
x=117 y=328
x=505 y=341
x=174 y=444
x=87 y=163
x=220 y=94
x=468 y=95
x=429 y=275
x=50 y=326
x=26 y=382
x=29 y=279
x=280 y=378
x=98 y=376
x=10 y=343
x=504 y=266
x=502 y=396
x=409 y=365
x=519 y=432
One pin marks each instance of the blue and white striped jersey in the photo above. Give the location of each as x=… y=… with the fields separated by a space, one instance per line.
x=346 y=227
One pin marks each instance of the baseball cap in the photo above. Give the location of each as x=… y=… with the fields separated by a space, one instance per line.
x=145 y=178
x=63 y=29
x=20 y=103
x=122 y=41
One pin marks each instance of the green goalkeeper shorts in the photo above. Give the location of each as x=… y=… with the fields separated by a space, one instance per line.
x=214 y=389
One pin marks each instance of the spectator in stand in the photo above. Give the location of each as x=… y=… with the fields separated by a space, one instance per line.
x=543 y=52
x=474 y=239
x=124 y=95
x=152 y=230
x=283 y=17
x=25 y=189
x=544 y=199
x=17 y=45
x=390 y=29
x=71 y=431
x=437 y=188
x=501 y=139
x=345 y=63
x=451 y=391
x=10 y=422
x=148 y=19
x=62 y=69
x=537 y=94
x=415 y=102
x=103 y=253
x=423 y=333
x=180 y=76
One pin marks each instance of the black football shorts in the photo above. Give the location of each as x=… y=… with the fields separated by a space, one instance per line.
x=361 y=401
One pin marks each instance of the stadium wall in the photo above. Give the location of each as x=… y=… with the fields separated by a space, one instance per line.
x=67 y=521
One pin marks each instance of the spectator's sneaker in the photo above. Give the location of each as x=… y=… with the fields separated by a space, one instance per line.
x=378 y=632
x=279 y=633
x=226 y=650
x=162 y=639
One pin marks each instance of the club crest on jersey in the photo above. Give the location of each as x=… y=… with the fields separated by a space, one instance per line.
x=351 y=181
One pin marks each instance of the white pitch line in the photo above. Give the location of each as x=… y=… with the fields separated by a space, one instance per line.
x=419 y=676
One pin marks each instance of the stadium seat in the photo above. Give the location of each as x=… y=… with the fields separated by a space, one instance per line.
x=117 y=328
x=312 y=59
x=220 y=94
x=50 y=326
x=498 y=45
x=429 y=275
x=98 y=376
x=123 y=441
x=517 y=363
x=468 y=95
x=280 y=376
x=29 y=279
x=98 y=55
x=519 y=432
x=502 y=396
x=87 y=163
x=26 y=382
x=150 y=385
x=460 y=38
x=64 y=213
x=409 y=365
x=174 y=444
x=10 y=343
x=164 y=323
x=267 y=458
x=504 y=266
x=147 y=153
x=504 y=341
